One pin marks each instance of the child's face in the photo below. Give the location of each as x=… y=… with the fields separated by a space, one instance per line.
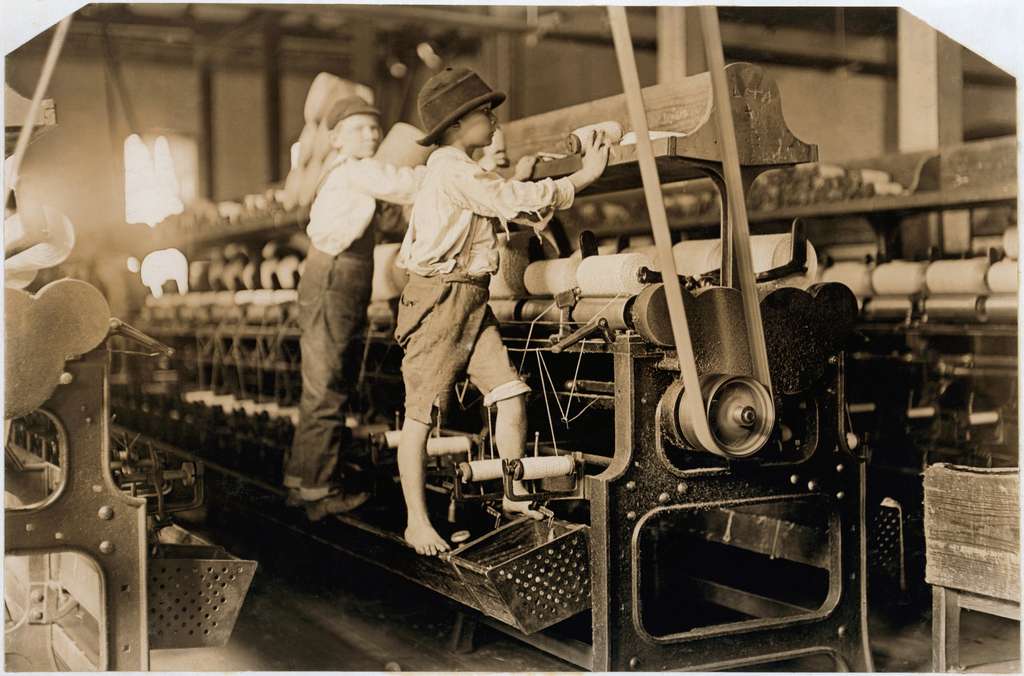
x=357 y=136
x=477 y=127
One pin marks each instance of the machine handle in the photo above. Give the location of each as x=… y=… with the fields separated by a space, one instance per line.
x=120 y=328
x=584 y=332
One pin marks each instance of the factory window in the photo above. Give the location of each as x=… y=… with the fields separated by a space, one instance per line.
x=735 y=568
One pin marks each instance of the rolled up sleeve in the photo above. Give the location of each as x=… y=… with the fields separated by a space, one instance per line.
x=490 y=195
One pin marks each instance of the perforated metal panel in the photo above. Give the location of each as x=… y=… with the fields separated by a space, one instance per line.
x=194 y=602
x=886 y=544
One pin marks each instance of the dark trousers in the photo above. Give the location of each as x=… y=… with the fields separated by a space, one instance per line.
x=333 y=296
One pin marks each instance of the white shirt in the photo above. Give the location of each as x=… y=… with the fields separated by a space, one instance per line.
x=346 y=201
x=459 y=200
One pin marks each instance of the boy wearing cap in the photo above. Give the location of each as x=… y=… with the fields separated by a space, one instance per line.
x=450 y=250
x=333 y=296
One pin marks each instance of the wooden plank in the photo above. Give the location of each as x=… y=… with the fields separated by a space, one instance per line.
x=990 y=606
x=945 y=630
x=972 y=530
x=748 y=603
x=683 y=105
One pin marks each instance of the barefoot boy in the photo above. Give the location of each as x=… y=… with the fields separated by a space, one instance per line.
x=450 y=250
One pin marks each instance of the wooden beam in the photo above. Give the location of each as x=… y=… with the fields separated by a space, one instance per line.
x=671 y=42
x=272 y=99
x=207 y=173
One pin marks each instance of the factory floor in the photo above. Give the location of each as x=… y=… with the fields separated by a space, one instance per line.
x=312 y=608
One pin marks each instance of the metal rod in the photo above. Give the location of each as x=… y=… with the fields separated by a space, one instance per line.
x=37 y=100
x=692 y=401
x=738 y=225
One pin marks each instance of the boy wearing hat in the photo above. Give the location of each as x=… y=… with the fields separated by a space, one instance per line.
x=333 y=296
x=450 y=250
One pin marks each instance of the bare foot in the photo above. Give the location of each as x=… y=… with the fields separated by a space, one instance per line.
x=424 y=539
x=515 y=508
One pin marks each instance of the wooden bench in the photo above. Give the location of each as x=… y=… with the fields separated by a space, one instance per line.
x=972 y=540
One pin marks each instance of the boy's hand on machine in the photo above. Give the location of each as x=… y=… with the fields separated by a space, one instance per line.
x=514 y=508
x=595 y=156
x=524 y=168
x=425 y=540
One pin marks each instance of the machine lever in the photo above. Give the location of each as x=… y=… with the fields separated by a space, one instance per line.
x=584 y=332
x=120 y=328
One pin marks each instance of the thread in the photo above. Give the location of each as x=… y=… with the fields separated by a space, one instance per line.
x=481 y=470
x=513 y=259
x=899 y=277
x=541 y=468
x=448 y=445
x=984 y=418
x=1002 y=308
x=856 y=276
x=888 y=307
x=611 y=275
x=696 y=257
x=1010 y=244
x=541 y=310
x=959 y=277
x=1002 y=276
x=387 y=283
x=612 y=135
x=955 y=307
x=548 y=278
x=613 y=311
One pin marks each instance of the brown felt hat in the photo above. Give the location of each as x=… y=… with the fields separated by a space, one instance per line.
x=347 y=107
x=448 y=96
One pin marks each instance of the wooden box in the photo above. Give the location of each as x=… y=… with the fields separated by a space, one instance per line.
x=972 y=529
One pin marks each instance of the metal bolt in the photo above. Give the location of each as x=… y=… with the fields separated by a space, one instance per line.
x=66 y=378
x=630 y=485
x=839 y=468
x=58 y=536
x=29 y=527
x=812 y=485
x=631 y=515
x=634 y=662
x=840 y=495
x=794 y=479
x=88 y=420
x=681 y=488
x=37 y=615
x=841 y=632
x=107 y=547
x=106 y=513
x=663 y=498
x=832 y=360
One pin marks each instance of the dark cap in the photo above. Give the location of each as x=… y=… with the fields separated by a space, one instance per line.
x=347 y=107
x=448 y=96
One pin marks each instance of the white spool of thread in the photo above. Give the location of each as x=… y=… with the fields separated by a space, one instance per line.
x=548 y=278
x=385 y=281
x=612 y=135
x=959 y=277
x=481 y=470
x=899 y=277
x=1010 y=244
x=694 y=257
x=984 y=418
x=1002 y=276
x=611 y=275
x=855 y=275
x=648 y=250
x=541 y=310
x=504 y=309
x=513 y=259
x=448 y=445
x=542 y=468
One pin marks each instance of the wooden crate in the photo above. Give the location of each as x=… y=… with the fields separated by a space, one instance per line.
x=972 y=529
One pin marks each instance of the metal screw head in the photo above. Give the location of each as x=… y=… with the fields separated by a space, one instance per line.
x=794 y=479
x=839 y=467
x=840 y=495
x=106 y=512
x=812 y=485
x=630 y=485
x=631 y=515
x=66 y=378
x=681 y=487
x=634 y=662
x=107 y=547
x=88 y=420
x=663 y=498
x=841 y=631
